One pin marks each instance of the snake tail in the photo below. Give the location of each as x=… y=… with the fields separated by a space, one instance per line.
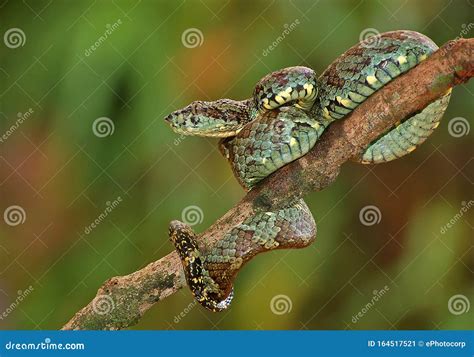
x=205 y=290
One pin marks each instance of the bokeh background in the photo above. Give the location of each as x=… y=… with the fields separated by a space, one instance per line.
x=60 y=169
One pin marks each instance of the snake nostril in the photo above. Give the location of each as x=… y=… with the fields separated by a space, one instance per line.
x=168 y=118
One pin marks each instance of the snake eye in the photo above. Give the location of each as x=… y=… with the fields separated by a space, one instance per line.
x=169 y=118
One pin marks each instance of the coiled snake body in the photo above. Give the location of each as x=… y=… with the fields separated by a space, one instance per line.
x=288 y=112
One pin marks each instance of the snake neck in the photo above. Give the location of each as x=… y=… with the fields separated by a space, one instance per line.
x=253 y=111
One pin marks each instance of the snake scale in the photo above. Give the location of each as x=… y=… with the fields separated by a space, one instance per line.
x=288 y=112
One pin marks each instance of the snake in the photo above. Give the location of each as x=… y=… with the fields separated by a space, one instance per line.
x=286 y=115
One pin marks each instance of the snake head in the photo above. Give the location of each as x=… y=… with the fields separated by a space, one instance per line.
x=221 y=118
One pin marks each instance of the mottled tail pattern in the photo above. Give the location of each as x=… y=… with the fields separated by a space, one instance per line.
x=204 y=289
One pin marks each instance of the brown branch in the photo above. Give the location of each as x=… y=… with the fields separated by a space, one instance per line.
x=122 y=301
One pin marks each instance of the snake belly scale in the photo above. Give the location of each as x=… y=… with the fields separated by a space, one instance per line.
x=282 y=121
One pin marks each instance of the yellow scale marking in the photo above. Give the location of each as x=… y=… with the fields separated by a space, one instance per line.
x=371 y=80
x=346 y=103
x=402 y=59
x=265 y=104
x=309 y=88
x=279 y=99
x=326 y=113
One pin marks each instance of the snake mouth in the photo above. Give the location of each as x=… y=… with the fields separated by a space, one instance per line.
x=200 y=132
x=212 y=133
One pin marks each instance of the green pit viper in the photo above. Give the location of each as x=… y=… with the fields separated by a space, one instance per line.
x=288 y=112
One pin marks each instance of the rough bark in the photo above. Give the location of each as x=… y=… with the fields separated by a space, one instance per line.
x=123 y=300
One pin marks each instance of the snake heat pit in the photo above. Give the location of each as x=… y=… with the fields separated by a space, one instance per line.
x=286 y=115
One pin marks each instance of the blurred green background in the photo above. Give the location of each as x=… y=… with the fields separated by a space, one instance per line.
x=64 y=176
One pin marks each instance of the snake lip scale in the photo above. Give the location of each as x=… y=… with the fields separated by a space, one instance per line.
x=288 y=112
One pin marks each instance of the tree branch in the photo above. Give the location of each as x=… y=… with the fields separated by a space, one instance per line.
x=123 y=300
